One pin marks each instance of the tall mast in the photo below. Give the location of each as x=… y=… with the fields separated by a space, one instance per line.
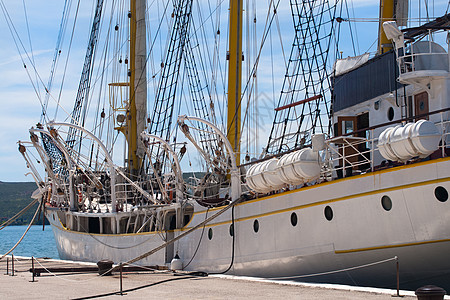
x=137 y=112
x=234 y=77
x=386 y=14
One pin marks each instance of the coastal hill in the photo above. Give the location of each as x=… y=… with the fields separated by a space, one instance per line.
x=14 y=196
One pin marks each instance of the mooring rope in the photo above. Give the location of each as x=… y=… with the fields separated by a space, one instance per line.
x=70 y=280
x=146 y=254
x=148 y=268
x=12 y=219
x=337 y=271
x=23 y=235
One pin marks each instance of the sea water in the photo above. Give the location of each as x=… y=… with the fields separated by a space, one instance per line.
x=36 y=242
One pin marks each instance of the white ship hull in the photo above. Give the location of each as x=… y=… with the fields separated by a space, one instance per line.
x=416 y=230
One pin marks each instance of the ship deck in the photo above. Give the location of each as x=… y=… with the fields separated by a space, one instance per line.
x=137 y=285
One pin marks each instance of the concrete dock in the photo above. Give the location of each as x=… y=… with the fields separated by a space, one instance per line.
x=152 y=284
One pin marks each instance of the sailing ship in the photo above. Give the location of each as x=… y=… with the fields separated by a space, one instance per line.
x=354 y=176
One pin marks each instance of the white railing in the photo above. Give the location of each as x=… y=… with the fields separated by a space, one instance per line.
x=348 y=155
x=435 y=56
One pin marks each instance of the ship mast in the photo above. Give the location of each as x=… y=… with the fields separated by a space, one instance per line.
x=136 y=114
x=386 y=14
x=234 y=77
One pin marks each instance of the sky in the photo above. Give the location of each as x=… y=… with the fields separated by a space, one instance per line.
x=38 y=32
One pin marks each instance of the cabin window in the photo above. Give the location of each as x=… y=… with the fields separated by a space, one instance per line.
x=328 y=213
x=386 y=202
x=441 y=194
x=347 y=125
x=210 y=234
x=294 y=219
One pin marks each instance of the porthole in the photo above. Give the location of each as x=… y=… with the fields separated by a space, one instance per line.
x=328 y=213
x=294 y=219
x=386 y=202
x=441 y=193
x=256 y=226
x=231 y=230
x=390 y=114
x=210 y=234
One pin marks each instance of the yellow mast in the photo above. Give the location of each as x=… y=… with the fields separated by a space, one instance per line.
x=133 y=162
x=234 y=76
x=137 y=109
x=386 y=14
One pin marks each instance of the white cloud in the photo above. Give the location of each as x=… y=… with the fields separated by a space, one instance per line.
x=18 y=58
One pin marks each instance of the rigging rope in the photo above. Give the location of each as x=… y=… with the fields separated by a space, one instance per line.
x=80 y=107
x=56 y=55
x=13 y=218
x=21 y=238
x=19 y=45
x=306 y=79
x=266 y=32
x=162 y=115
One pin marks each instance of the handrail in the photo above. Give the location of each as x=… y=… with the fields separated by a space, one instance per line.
x=350 y=134
x=397 y=121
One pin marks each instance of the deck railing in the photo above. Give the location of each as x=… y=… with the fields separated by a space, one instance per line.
x=348 y=155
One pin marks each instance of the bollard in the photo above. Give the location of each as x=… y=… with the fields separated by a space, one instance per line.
x=104 y=266
x=430 y=292
x=7 y=266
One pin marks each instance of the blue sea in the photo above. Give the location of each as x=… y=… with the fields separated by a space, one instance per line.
x=36 y=242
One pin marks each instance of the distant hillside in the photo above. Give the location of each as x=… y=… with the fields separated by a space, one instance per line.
x=14 y=196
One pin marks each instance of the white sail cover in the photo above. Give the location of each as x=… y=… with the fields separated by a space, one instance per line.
x=401 y=11
x=345 y=65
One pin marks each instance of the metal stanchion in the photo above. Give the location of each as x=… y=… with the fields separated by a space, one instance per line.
x=398 y=277
x=7 y=266
x=32 y=269
x=121 y=280
x=12 y=264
